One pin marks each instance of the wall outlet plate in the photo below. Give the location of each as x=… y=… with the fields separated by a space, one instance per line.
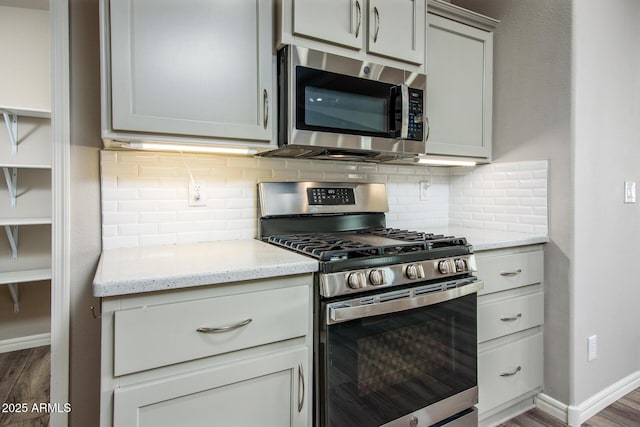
x=197 y=193
x=424 y=189
x=592 y=348
x=629 y=191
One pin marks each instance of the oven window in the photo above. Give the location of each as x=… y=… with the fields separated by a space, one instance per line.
x=330 y=102
x=381 y=368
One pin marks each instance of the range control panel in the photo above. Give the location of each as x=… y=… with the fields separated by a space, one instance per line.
x=331 y=196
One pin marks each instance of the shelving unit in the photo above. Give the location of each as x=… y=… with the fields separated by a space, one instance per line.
x=25 y=148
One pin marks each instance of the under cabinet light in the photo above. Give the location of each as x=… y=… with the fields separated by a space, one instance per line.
x=187 y=148
x=445 y=162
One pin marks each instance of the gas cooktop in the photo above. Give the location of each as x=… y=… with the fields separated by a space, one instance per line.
x=365 y=243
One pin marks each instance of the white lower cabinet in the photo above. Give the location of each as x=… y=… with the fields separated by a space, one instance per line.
x=510 y=331
x=509 y=371
x=266 y=391
x=228 y=355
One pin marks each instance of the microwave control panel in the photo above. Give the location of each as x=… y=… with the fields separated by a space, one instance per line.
x=416 y=111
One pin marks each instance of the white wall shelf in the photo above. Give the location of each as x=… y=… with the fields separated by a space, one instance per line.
x=25 y=221
x=13 y=278
x=11 y=115
x=12 y=225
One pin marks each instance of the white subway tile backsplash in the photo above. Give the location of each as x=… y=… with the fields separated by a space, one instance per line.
x=144 y=195
x=513 y=194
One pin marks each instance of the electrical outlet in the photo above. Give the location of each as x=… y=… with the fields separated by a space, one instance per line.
x=424 y=189
x=629 y=191
x=197 y=193
x=592 y=348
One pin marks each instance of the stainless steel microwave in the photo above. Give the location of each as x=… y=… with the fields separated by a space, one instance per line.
x=335 y=107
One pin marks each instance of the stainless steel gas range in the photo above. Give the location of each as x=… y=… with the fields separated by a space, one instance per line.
x=395 y=310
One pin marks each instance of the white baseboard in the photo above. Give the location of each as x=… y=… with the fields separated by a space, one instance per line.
x=575 y=415
x=21 y=343
x=551 y=406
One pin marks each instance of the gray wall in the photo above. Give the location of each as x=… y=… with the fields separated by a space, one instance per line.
x=85 y=211
x=606 y=289
x=532 y=121
x=567 y=88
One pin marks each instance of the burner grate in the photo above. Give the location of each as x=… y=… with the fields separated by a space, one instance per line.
x=336 y=246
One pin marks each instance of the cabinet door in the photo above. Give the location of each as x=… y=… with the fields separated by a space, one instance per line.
x=459 y=88
x=397 y=29
x=268 y=391
x=192 y=67
x=335 y=21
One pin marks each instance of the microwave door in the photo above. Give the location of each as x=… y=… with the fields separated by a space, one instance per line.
x=335 y=103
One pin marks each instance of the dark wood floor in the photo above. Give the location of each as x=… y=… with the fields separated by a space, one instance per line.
x=24 y=380
x=623 y=413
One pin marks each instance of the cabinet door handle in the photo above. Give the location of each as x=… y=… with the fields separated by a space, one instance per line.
x=226 y=328
x=359 y=16
x=265 y=106
x=301 y=388
x=415 y=28
x=427 y=127
x=376 y=14
x=511 y=318
x=512 y=373
x=511 y=273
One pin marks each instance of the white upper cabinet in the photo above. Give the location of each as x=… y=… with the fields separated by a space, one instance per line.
x=390 y=32
x=396 y=29
x=189 y=67
x=459 y=83
x=335 y=21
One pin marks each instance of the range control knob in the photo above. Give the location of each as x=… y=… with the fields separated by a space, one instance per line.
x=415 y=271
x=444 y=267
x=377 y=277
x=461 y=264
x=357 y=280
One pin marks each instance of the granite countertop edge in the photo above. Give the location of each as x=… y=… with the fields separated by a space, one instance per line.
x=158 y=268
x=139 y=270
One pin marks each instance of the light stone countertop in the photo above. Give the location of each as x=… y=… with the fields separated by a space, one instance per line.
x=156 y=268
x=483 y=240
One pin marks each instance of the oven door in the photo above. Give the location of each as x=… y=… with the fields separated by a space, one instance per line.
x=405 y=358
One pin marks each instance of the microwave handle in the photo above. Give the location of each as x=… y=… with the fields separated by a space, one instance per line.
x=404 y=99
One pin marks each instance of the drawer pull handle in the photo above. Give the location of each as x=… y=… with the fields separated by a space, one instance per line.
x=301 y=389
x=224 y=328
x=511 y=318
x=511 y=273
x=512 y=373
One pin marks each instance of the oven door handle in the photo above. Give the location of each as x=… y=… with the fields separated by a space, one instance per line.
x=344 y=314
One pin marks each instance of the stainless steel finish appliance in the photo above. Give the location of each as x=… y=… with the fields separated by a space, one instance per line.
x=334 y=107
x=395 y=310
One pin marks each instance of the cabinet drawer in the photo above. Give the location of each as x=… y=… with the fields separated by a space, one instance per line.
x=511 y=315
x=149 y=337
x=509 y=371
x=510 y=271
